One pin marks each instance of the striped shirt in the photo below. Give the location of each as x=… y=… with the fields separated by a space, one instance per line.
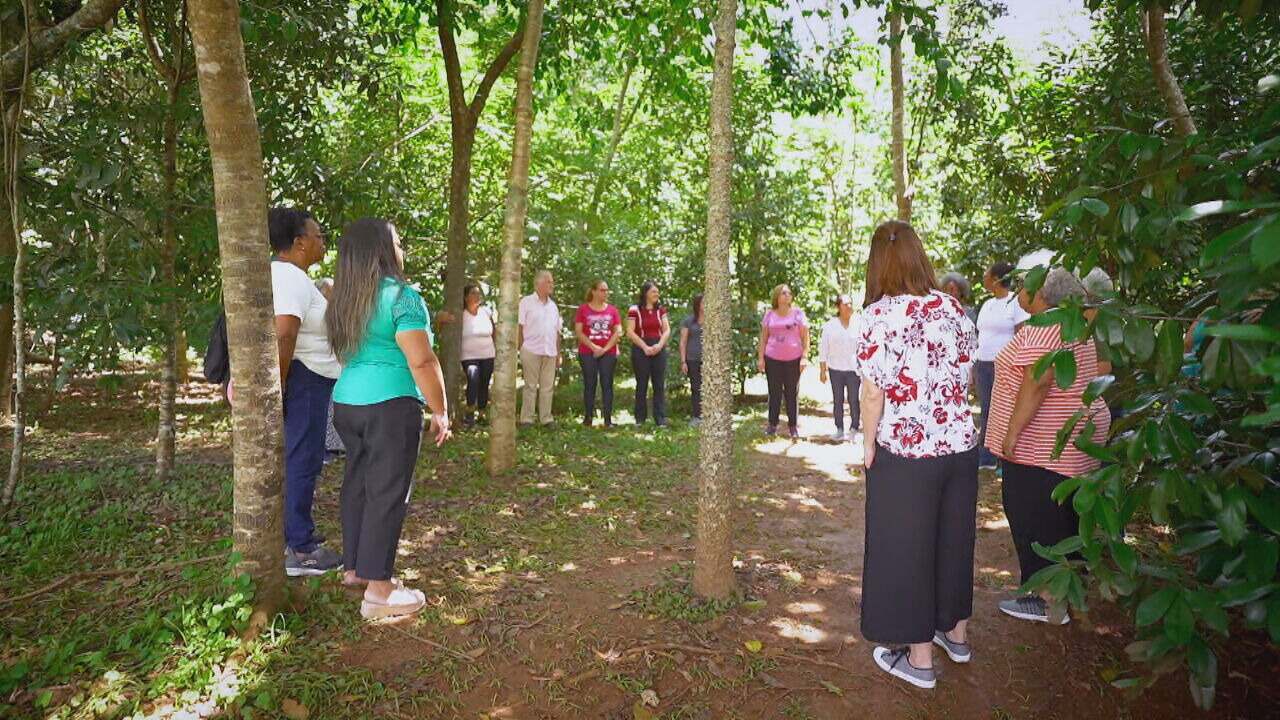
x=1037 y=440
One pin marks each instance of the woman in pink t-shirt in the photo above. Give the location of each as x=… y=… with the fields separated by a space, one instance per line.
x=598 y=327
x=783 y=351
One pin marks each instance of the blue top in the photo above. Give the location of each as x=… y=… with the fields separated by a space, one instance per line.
x=378 y=371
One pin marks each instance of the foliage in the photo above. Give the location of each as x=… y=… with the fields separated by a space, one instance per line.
x=1189 y=228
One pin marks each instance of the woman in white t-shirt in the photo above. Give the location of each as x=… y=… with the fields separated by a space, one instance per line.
x=478 y=351
x=998 y=320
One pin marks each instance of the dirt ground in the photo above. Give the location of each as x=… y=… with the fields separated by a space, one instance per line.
x=576 y=649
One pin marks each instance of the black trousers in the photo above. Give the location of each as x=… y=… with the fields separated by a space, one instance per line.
x=650 y=370
x=597 y=371
x=784 y=384
x=845 y=385
x=917 y=573
x=695 y=386
x=478 y=373
x=1034 y=517
x=382 y=448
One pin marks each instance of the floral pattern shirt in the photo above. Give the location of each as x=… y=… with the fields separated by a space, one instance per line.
x=919 y=351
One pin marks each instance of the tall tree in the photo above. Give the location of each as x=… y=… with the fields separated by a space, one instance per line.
x=464 y=117
x=1157 y=44
x=502 y=432
x=11 y=102
x=713 y=569
x=240 y=200
x=901 y=190
x=174 y=66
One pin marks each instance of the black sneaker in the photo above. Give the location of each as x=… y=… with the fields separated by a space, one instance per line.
x=897 y=663
x=1032 y=608
x=317 y=562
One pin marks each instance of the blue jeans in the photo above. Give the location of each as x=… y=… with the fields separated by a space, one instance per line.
x=845 y=385
x=985 y=377
x=306 y=419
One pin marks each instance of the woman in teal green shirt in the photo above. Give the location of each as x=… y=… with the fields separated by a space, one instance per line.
x=378 y=326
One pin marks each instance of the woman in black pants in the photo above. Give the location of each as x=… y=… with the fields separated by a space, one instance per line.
x=598 y=327
x=649 y=330
x=378 y=328
x=920 y=453
x=781 y=356
x=478 y=351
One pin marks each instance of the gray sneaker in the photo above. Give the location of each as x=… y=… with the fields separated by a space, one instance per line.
x=897 y=663
x=838 y=436
x=958 y=652
x=317 y=562
x=1030 y=607
x=695 y=422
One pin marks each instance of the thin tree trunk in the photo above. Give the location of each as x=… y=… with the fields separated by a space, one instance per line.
x=241 y=207
x=12 y=111
x=167 y=430
x=713 y=566
x=898 y=148
x=502 y=424
x=1157 y=43
x=183 y=366
x=614 y=139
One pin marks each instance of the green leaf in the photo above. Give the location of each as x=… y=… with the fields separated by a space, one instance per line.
x=1218 y=207
x=1197 y=402
x=1064 y=369
x=1264 y=247
x=1065 y=488
x=1139 y=339
x=1095 y=206
x=1125 y=557
x=1231 y=517
x=1169 y=351
x=1195 y=542
x=1266 y=509
x=1129 y=144
x=1095 y=388
x=1179 y=622
x=1256 y=333
x=1153 y=607
x=1128 y=217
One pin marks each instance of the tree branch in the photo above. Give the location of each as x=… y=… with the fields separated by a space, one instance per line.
x=165 y=70
x=46 y=43
x=449 y=48
x=495 y=71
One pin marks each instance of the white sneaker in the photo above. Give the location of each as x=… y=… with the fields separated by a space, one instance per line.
x=838 y=436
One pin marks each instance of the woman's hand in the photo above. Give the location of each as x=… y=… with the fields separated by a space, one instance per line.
x=760 y=364
x=440 y=428
x=597 y=351
x=804 y=363
x=1010 y=445
x=822 y=376
x=684 y=367
x=444 y=317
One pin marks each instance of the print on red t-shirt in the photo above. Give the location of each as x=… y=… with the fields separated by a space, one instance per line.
x=598 y=326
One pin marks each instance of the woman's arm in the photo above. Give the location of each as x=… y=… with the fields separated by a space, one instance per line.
x=804 y=341
x=666 y=333
x=684 y=349
x=614 y=338
x=631 y=333
x=427 y=375
x=582 y=337
x=1031 y=393
x=871 y=402
x=764 y=338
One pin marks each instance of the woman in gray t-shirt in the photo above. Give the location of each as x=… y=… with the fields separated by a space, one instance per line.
x=691 y=355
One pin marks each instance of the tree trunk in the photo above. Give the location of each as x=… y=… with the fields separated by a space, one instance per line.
x=899 y=150
x=502 y=423
x=11 y=112
x=455 y=264
x=183 y=366
x=614 y=139
x=713 y=568
x=1157 y=44
x=167 y=430
x=241 y=207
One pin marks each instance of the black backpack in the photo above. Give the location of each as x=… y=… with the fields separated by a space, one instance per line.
x=217 y=361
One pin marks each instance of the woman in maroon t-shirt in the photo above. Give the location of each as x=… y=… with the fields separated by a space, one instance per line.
x=649 y=330
x=598 y=327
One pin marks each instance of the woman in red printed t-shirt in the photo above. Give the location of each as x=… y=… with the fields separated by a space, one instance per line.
x=598 y=327
x=1026 y=415
x=649 y=330
x=920 y=453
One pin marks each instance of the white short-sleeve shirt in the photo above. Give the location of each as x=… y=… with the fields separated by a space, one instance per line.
x=294 y=293
x=997 y=321
x=838 y=346
x=542 y=325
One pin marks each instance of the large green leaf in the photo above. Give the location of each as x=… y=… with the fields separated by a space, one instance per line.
x=1264 y=245
x=1218 y=207
x=1169 y=351
x=1154 y=606
x=1139 y=339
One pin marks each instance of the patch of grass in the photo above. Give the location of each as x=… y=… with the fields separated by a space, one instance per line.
x=673 y=598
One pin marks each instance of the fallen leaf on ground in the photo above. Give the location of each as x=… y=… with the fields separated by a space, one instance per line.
x=649 y=697
x=753 y=645
x=294 y=710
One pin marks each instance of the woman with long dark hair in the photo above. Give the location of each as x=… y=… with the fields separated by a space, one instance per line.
x=920 y=454
x=378 y=327
x=649 y=330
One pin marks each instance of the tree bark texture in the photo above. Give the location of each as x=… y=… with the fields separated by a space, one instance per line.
x=898 y=146
x=47 y=42
x=241 y=208
x=713 y=569
x=12 y=97
x=1157 y=42
x=502 y=423
x=464 y=117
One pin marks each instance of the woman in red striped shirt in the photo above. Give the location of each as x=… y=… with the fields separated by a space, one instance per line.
x=1026 y=415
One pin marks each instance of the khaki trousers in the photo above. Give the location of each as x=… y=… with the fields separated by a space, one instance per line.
x=539 y=386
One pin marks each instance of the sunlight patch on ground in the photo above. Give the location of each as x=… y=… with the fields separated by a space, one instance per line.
x=789 y=628
x=805 y=608
x=1000 y=523
x=835 y=461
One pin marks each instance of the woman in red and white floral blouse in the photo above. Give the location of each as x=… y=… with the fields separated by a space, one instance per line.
x=920 y=452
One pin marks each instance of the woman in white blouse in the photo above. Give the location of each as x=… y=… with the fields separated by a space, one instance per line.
x=998 y=319
x=915 y=354
x=837 y=359
x=478 y=351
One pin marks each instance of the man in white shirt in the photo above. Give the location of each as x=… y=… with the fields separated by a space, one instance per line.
x=838 y=359
x=308 y=370
x=538 y=336
x=998 y=320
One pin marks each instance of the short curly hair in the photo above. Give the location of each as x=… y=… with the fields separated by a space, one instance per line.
x=1059 y=285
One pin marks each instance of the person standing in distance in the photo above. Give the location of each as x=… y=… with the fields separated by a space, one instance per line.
x=538 y=337
x=838 y=358
x=998 y=319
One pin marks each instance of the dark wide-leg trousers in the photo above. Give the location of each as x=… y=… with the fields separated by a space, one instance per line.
x=784 y=386
x=917 y=573
x=845 y=385
x=695 y=386
x=382 y=448
x=1034 y=517
x=597 y=371
x=650 y=370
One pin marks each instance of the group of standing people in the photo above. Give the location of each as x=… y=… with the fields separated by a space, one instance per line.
x=919 y=350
